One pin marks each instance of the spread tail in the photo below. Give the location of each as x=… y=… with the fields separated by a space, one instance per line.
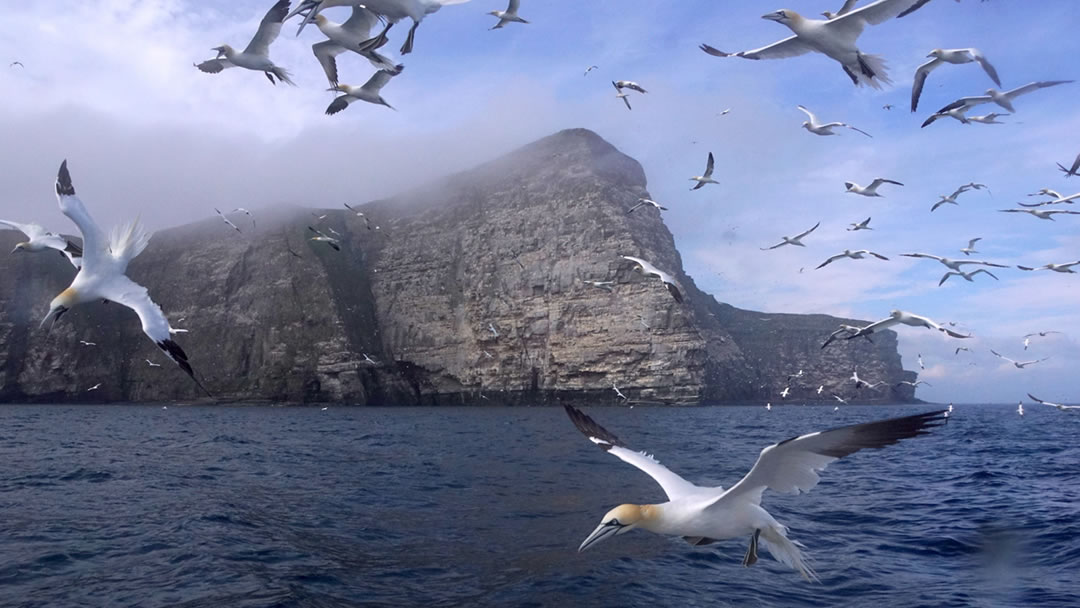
x=787 y=551
x=282 y=75
x=871 y=71
x=128 y=241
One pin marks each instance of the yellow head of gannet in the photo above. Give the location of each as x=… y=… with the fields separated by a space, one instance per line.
x=224 y=51
x=785 y=16
x=19 y=247
x=621 y=520
x=61 y=304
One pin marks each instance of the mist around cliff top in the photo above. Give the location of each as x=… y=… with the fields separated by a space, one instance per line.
x=112 y=89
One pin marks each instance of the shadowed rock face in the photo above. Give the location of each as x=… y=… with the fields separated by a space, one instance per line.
x=504 y=248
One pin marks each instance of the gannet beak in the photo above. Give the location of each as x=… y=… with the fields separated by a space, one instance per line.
x=59 y=312
x=777 y=16
x=17 y=248
x=600 y=533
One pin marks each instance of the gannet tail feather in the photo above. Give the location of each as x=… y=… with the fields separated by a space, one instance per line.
x=282 y=75
x=787 y=551
x=127 y=241
x=872 y=71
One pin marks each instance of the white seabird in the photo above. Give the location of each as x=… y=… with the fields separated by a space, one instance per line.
x=85 y=343
x=38 y=239
x=649 y=202
x=94 y=388
x=899 y=317
x=967 y=276
x=391 y=10
x=667 y=279
x=970 y=249
x=915 y=384
x=784 y=393
x=848 y=5
x=855 y=255
x=370 y=92
x=152 y=364
x=851 y=329
x=247 y=213
x=834 y=38
x=840 y=399
x=950 y=263
x=591 y=68
x=988 y=119
x=509 y=15
x=1017 y=364
x=1063 y=268
x=625 y=97
x=950 y=199
x=1071 y=171
x=494 y=332
x=1001 y=98
x=368 y=359
x=1056 y=199
x=943 y=56
x=870 y=190
x=1020 y=409
x=226 y=220
x=960 y=348
x=605 y=285
x=707 y=178
x=257 y=54
x=704 y=515
x=1054 y=194
x=102 y=275
x=353 y=35
x=792 y=240
x=863 y=225
x=1042 y=214
x=628 y=84
x=618 y=392
x=322 y=238
x=1064 y=408
x=817 y=127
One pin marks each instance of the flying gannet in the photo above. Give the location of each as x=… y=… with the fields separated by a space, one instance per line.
x=1064 y=408
x=368 y=359
x=921 y=365
x=85 y=343
x=707 y=178
x=967 y=276
x=899 y=317
x=950 y=263
x=257 y=54
x=322 y=238
x=1071 y=171
x=625 y=97
x=851 y=329
x=1020 y=409
x=667 y=279
x=509 y=16
x=704 y=515
x=784 y=393
x=1063 y=268
x=370 y=92
x=970 y=249
x=1003 y=99
x=848 y=5
x=102 y=275
x=914 y=384
x=988 y=119
x=494 y=332
x=247 y=213
x=1057 y=199
x=628 y=84
x=353 y=35
x=1042 y=214
x=960 y=348
x=855 y=255
x=940 y=57
x=605 y=285
x=591 y=68
x=226 y=220
x=391 y=10
x=950 y=199
x=863 y=225
x=817 y=127
x=38 y=239
x=834 y=38
x=618 y=392
x=1017 y=364
x=792 y=240
x=152 y=364
x=649 y=202
x=870 y=190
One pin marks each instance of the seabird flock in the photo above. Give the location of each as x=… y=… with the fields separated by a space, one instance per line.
x=701 y=515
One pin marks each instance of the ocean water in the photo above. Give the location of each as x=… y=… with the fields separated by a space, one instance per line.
x=244 y=507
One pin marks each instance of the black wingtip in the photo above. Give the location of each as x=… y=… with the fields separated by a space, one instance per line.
x=177 y=354
x=591 y=429
x=63 y=181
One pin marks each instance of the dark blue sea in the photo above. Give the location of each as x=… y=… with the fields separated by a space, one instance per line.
x=259 y=506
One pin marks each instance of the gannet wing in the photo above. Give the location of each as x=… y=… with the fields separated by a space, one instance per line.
x=966 y=102
x=95 y=245
x=1034 y=86
x=880 y=11
x=792 y=466
x=1075 y=165
x=32 y=231
x=946 y=277
x=831 y=260
x=876 y=326
x=513 y=7
x=326 y=52
x=788 y=47
x=881 y=180
x=802 y=234
x=778 y=245
x=977 y=55
x=269 y=28
x=646 y=267
x=848 y=5
x=361 y=21
x=709 y=166
x=378 y=81
x=214 y=66
x=920 y=79
x=673 y=485
x=843 y=124
x=813 y=119
x=1001 y=356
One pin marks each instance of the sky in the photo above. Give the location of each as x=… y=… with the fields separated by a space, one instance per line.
x=110 y=85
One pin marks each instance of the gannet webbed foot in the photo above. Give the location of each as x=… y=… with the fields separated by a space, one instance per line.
x=751 y=552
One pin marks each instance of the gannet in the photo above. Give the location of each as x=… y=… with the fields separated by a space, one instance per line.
x=970 y=249
x=843 y=328
x=605 y=285
x=950 y=263
x=245 y=212
x=1020 y=409
x=919 y=358
x=625 y=97
x=959 y=113
x=618 y=392
x=1071 y=171
x=368 y=359
x=509 y=16
x=1042 y=214
x=855 y=255
x=792 y=240
x=85 y=343
x=102 y=275
x=840 y=399
x=954 y=56
x=353 y=35
x=848 y=5
x=820 y=389
x=391 y=10
x=967 y=276
x=226 y=220
x=152 y=364
x=863 y=225
x=703 y=515
x=834 y=38
x=370 y=92
x=628 y=84
x=1063 y=268
x=887 y=107
x=818 y=128
x=40 y=240
x=1047 y=192
x=591 y=68
x=950 y=199
x=707 y=178
x=899 y=317
x=1027 y=342
x=1064 y=408
x=667 y=279
x=257 y=54
x=494 y=332
x=988 y=119
x=329 y=240
x=916 y=383
x=1057 y=199
x=870 y=190
x=796 y=375
x=768 y=406
x=784 y=393
x=94 y=388
x=16 y=63
x=645 y=201
x=367 y=222
x=1017 y=364
x=1003 y=99
x=1042 y=334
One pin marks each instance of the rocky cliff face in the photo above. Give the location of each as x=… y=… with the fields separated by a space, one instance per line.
x=468 y=290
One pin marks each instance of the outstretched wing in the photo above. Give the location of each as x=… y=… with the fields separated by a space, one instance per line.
x=920 y=79
x=788 y=47
x=793 y=465
x=95 y=245
x=802 y=234
x=326 y=52
x=673 y=485
x=269 y=28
